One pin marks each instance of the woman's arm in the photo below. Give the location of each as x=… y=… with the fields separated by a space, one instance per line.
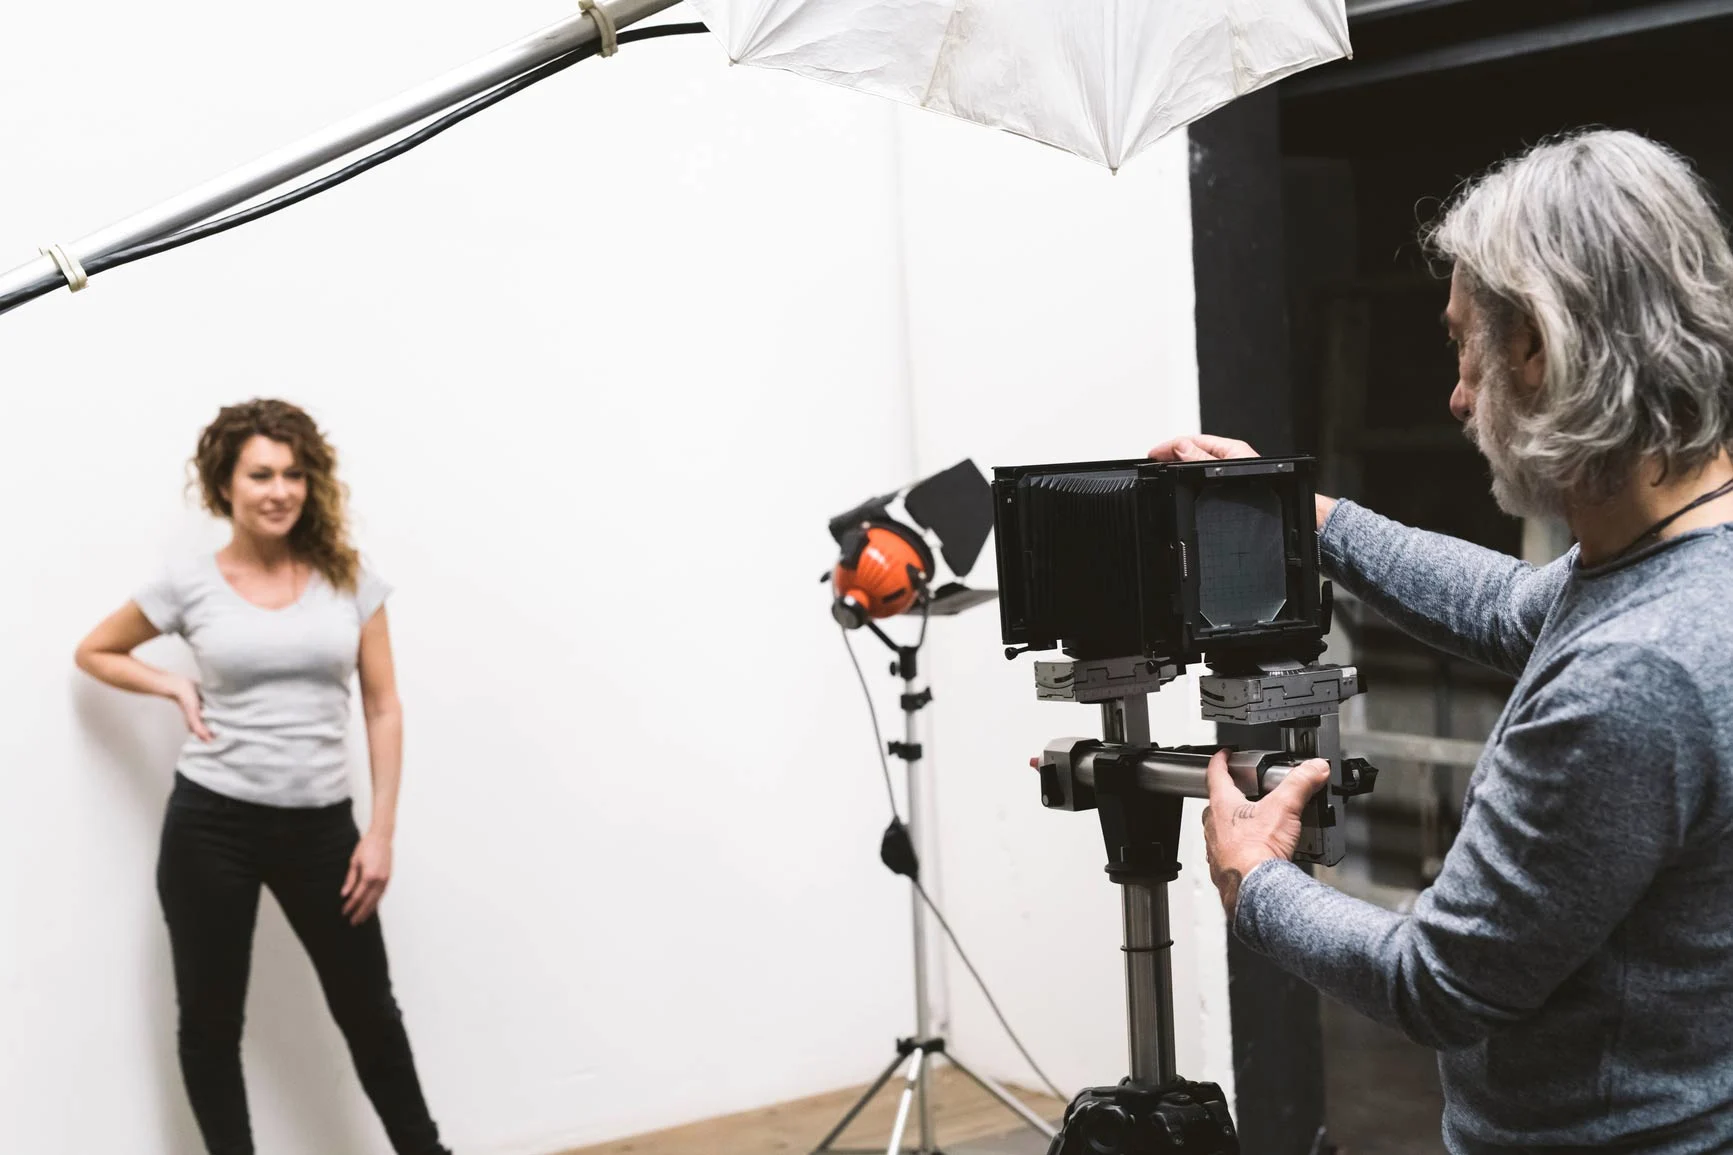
x=106 y=655
x=370 y=867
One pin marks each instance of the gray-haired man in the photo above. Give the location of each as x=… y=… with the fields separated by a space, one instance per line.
x=1573 y=963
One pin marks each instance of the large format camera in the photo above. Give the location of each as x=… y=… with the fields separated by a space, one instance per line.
x=1137 y=570
x=1170 y=562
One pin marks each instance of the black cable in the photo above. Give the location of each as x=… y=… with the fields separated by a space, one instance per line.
x=372 y=160
x=1653 y=533
x=878 y=735
x=980 y=982
x=921 y=890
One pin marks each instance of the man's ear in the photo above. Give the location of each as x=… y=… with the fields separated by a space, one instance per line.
x=1529 y=357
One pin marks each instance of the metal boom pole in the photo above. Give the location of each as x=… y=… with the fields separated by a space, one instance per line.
x=240 y=185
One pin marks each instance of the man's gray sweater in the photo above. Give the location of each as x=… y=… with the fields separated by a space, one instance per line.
x=1573 y=962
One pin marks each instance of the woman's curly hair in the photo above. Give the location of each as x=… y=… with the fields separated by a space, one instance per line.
x=321 y=536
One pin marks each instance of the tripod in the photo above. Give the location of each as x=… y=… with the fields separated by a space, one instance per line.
x=1139 y=789
x=917 y=1055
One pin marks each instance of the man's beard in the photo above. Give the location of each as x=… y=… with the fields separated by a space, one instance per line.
x=1493 y=429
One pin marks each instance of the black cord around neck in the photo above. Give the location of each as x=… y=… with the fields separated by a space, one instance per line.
x=1653 y=533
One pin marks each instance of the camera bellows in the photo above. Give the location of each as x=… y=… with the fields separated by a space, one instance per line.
x=1084 y=584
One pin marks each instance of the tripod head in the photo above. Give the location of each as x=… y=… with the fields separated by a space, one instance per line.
x=1304 y=700
x=1139 y=789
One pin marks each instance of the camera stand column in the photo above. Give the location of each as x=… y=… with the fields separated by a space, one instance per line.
x=1148 y=953
x=1155 y=1110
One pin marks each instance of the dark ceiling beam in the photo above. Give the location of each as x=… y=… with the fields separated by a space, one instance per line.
x=1565 y=34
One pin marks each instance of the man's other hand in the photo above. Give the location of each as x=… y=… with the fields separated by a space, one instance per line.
x=1239 y=835
x=1201 y=447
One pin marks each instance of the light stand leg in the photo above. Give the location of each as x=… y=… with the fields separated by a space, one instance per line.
x=917 y=1065
x=1010 y=1101
x=860 y=1105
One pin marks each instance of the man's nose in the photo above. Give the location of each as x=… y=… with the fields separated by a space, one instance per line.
x=1462 y=403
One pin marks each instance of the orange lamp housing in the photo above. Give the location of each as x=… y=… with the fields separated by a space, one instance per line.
x=883 y=572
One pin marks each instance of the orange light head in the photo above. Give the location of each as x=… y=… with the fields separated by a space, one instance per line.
x=884 y=570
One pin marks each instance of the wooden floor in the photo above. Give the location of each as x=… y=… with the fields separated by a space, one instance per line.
x=962 y=1114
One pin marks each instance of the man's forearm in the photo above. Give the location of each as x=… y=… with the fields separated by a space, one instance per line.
x=1462 y=598
x=1360 y=955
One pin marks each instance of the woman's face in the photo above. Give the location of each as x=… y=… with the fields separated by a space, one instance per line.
x=268 y=489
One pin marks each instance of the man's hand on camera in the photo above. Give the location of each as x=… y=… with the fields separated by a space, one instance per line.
x=1240 y=835
x=1203 y=447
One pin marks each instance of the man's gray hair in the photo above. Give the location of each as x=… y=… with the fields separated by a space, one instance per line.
x=1612 y=247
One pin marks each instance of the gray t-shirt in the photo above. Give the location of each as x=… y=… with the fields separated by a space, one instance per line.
x=1573 y=962
x=275 y=682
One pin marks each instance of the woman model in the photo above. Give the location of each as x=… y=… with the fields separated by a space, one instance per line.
x=279 y=621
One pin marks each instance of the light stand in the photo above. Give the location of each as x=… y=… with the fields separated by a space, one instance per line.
x=917 y=1055
x=1139 y=789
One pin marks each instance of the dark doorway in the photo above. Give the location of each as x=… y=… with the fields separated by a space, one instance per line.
x=1318 y=332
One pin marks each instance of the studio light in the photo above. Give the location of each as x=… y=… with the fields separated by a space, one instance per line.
x=887 y=566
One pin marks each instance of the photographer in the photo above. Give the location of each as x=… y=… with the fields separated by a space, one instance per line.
x=1573 y=962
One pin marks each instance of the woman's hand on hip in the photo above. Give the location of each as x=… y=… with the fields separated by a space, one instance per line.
x=369 y=875
x=185 y=693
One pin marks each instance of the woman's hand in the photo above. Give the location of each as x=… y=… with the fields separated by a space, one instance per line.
x=185 y=694
x=369 y=874
x=1203 y=447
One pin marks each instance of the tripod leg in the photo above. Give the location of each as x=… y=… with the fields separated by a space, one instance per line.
x=859 y=1106
x=1005 y=1097
x=929 y=1141
x=914 y=1078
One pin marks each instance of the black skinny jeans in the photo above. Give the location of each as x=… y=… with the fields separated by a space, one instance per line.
x=216 y=852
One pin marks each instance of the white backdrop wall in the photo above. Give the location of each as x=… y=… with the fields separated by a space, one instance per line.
x=600 y=364
x=588 y=400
